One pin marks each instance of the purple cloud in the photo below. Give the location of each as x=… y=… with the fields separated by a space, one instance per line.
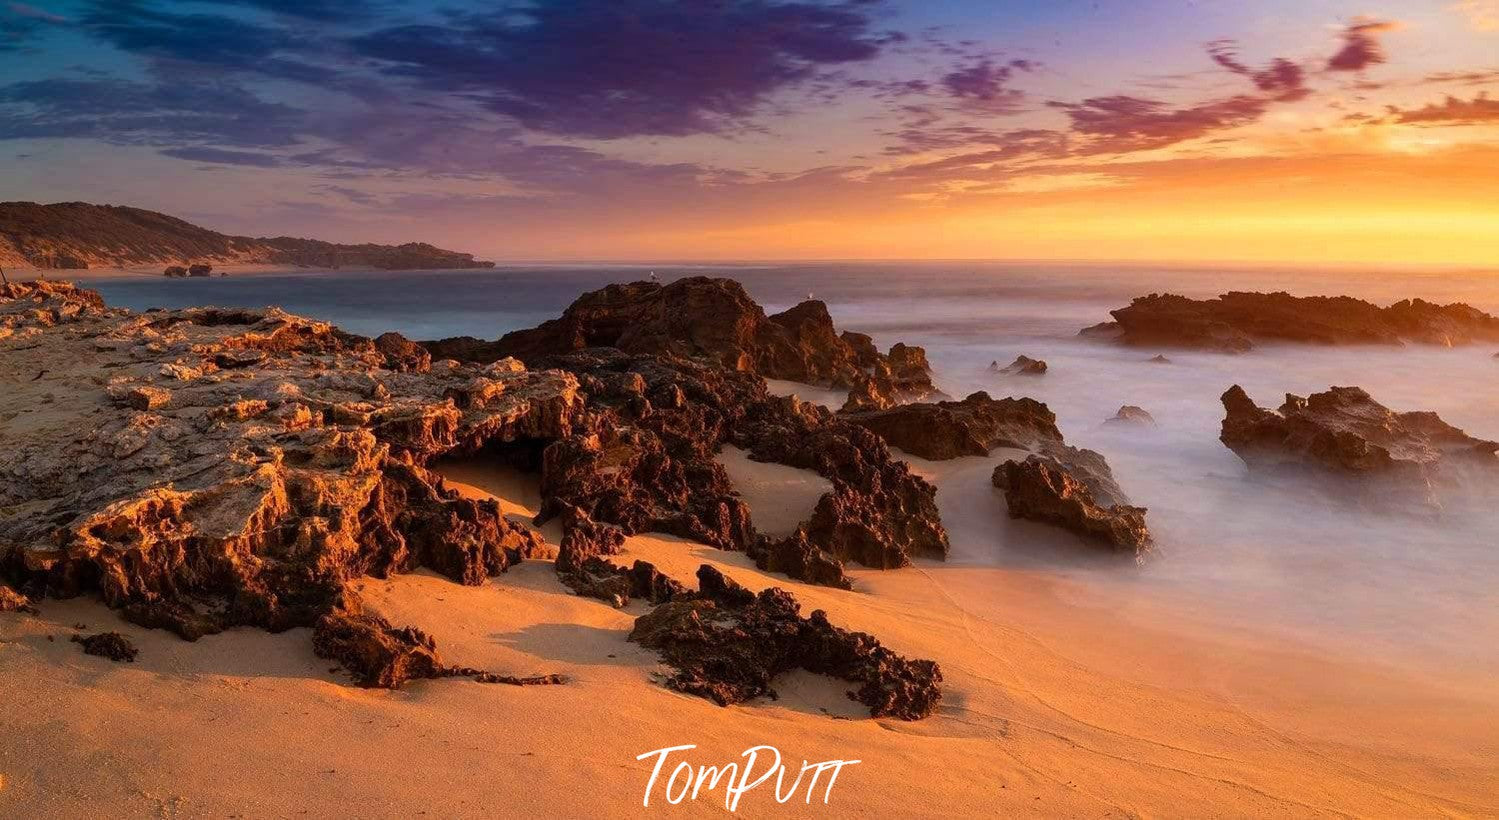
x=1361 y=46
x=620 y=68
x=984 y=85
x=1453 y=111
x=1123 y=123
x=1283 y=80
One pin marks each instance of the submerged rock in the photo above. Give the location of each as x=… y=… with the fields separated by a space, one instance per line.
x=1077 y=493
x=1131 y=415
x=729 y=645
x=1236 y=321
x=1345 y=431
x=1025 y=366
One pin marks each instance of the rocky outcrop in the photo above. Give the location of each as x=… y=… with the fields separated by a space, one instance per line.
x=196 y=496
x=12 y=601
x=78 y=235
x=1060 y=485
x=203 y=468
x=1345 y=431
x=582 y=565
x=643 y=459
x=1022 y=366
x=1235 y=322
x=971 y=427
x=729 y=645
x=1130 y=415
x=1076 y=491
x=712 y=320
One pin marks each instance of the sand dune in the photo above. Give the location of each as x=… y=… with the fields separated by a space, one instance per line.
x=1056 y=704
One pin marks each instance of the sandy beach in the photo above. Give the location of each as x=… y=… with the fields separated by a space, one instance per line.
x=1055 y=705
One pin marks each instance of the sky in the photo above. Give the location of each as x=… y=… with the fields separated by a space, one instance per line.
x=1295 y=131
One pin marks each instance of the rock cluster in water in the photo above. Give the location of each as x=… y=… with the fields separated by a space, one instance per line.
x=1235 y=322
x=1345 y=431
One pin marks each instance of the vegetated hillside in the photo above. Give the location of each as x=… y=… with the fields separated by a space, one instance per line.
x=80 y=235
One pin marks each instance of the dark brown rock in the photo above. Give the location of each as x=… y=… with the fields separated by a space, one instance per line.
x=1078 y=495
x=375 y=653
x=644 y=460
x=971 y=427
x=713 y=320
x=403 y=354
x=729 y=645
x=1345 y=431
x=1129 y=414
x=1235 y=321
x=1025 y=366
x=111 y=645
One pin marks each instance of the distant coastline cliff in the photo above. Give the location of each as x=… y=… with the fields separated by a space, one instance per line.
x=74 y=235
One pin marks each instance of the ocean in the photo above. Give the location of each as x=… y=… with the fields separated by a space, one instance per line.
x=1236 y=550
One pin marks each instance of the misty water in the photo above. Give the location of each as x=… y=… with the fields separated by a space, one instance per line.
x=1272 y=557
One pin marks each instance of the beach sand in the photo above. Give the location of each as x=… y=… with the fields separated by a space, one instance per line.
x=1056 y=703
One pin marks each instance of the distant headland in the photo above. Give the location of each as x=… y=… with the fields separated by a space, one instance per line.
x=80 y=235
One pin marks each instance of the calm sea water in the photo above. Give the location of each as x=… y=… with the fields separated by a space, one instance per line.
x=1258 y=553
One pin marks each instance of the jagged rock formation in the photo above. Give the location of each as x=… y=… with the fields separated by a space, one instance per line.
x=642 y=459
x=1159 y=359
x=971 y=427
x=76 y=235
x=1061 y=485
x=205 y=468
x=195 y=497
x=583 y=567
x=1022 y=366
x=1074 y=489
x=728 y=645
x=1345 y=431
x=1129 y=414
x=713 y=320
x=111 y=645
x=377 y=654
x=1235 y=321
x=12 y=601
